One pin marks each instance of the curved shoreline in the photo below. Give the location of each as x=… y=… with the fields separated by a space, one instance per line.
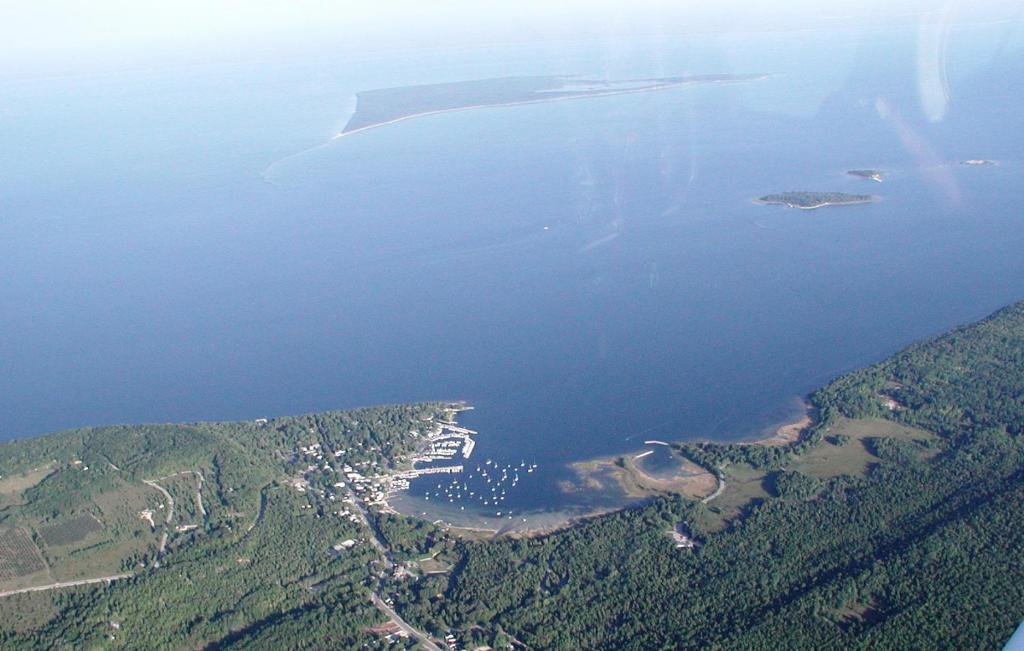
x=621 y=472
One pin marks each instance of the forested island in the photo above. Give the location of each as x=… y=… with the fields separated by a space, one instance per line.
x=813 y=200
x=871 y=175
x=375 y=108
x=894 y=521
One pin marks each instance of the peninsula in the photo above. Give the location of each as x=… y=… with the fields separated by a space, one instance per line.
x=375 y=108
x=812 y=200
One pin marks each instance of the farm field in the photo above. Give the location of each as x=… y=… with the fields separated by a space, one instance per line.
x=21 y=564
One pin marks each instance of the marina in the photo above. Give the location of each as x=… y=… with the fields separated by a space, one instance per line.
x=436 y=473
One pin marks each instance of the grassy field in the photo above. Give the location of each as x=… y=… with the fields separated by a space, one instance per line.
x=862 y=428
x=13 y=486
x=845 y=450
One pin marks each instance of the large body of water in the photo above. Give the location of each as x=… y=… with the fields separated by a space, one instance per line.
x=178 y=245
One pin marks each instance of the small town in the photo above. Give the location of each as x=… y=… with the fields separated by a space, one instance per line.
x=353 y=489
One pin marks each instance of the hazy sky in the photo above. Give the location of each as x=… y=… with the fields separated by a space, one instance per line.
x=54 y=32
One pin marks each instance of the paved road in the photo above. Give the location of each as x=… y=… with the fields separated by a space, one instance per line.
x=402 y=624
x=66 y=584
x=378 y=541
x=376 y=538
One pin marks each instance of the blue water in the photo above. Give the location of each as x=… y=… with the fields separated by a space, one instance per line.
x=178 y=244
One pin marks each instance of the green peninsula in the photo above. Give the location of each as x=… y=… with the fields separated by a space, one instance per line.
x=893 y=521
x=376 y=108
x=813 y=200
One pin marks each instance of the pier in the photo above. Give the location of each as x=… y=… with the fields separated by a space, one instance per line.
x=416 y=472
x=458 y=429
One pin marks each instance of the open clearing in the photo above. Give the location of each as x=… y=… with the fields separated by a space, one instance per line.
x=844 y=451
x=13 y=485
x=862 y=428
x=69 y=531
x=854 y=456
x=97 y=537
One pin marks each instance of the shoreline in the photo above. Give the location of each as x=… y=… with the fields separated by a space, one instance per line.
x=789 y=431
x=636 y=485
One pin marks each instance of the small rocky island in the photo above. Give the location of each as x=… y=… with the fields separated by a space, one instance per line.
x=871 y=175
x=812 y=200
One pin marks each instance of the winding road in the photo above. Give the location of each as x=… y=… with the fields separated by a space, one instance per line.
x=170 y=511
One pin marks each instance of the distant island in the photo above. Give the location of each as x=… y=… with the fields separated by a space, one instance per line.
x=873 y=175
x=812 y=200
x=375 y=108
x=978 y=162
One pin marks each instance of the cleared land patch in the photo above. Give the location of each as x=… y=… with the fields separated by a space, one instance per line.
x=70 y=531
x=12 y=486
x=862 y=428
x=81 y=546
x=846 y=450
